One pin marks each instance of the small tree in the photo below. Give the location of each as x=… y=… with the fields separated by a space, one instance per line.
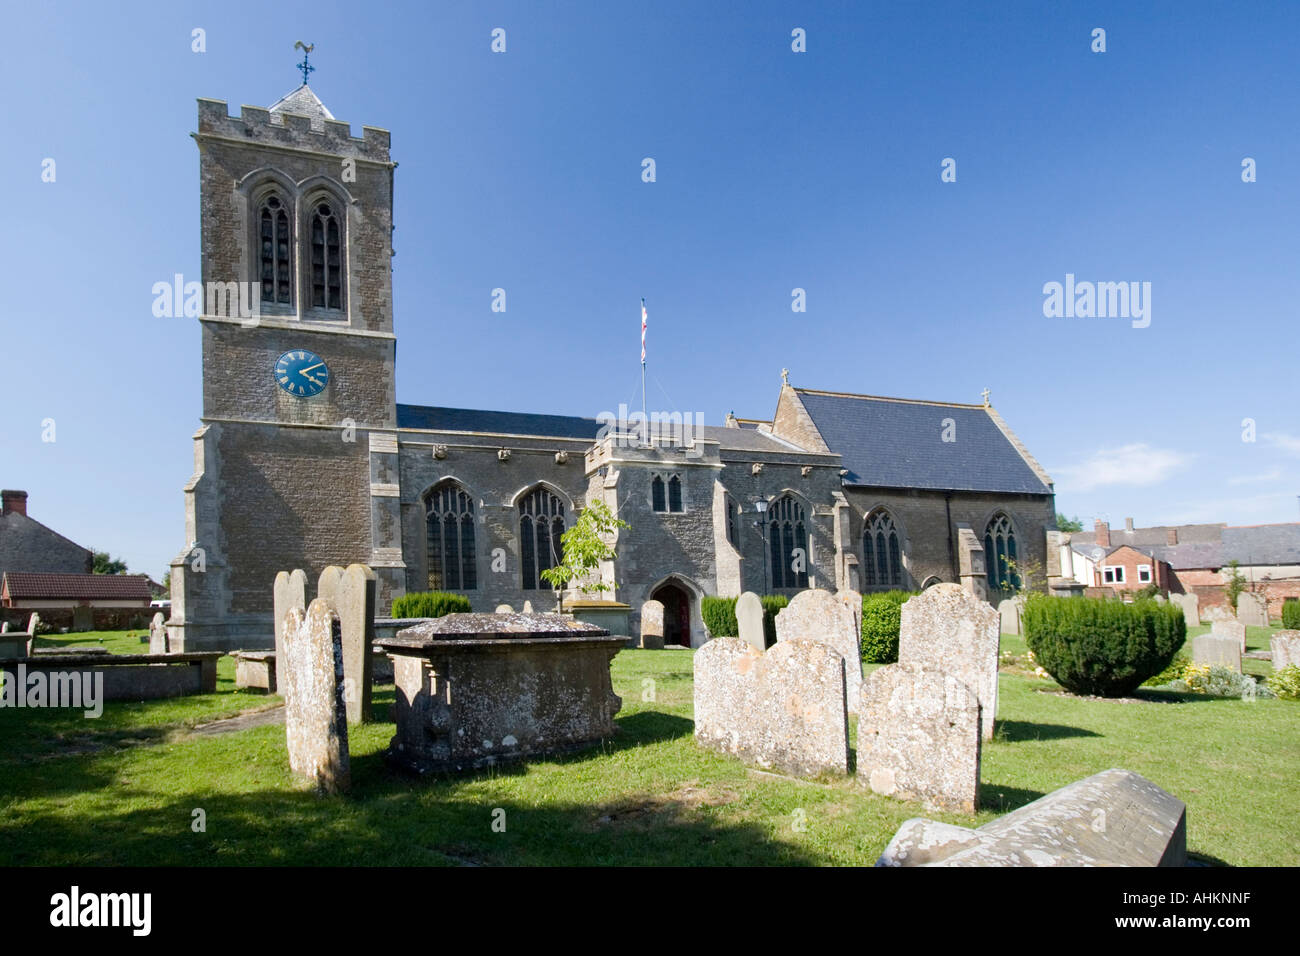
x=1069 y=525
x=106 y=565
x=584 y=547
x=1234 y=582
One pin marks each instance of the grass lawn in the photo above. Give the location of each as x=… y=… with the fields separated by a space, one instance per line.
x=121 y=790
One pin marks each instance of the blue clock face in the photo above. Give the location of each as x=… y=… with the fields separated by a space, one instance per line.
x=301 y=373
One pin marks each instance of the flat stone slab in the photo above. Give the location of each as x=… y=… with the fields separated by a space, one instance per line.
x=255 y=670
x=481 y=626
x=783 y=709
x=129 y=676
x=1113 y=818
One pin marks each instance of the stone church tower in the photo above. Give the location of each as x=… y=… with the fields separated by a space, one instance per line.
x=295 y=462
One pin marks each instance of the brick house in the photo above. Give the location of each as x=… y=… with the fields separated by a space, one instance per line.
x=28 y=545
x=79 y=602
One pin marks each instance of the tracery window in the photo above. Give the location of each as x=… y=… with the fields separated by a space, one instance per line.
x=882 y=554
x=1000 y=554
x=788 y=543
x=657 y=499
x=449 y=519
x=541 y=522
x=326 y=257
x=275 y=261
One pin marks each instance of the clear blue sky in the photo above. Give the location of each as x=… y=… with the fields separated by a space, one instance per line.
x=776 y=170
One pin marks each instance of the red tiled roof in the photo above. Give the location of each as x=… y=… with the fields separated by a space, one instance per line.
x=84 y=587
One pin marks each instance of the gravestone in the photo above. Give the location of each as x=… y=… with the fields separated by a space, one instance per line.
x=652 y=625
x=783 y=709
x=1231 y=629
x=1285 y=646
x=33 y=623
x=1252 y=609
x=290 y=591
x=4 y=628
x=158 y=635
x=919 y=737
x=310 y=675
x=816 y=615
x=854 y=601
x=1113 y=818
x=1217 y=650
x=1219 y=612
x=83 y=619
x=351 y=595
x=749 y=620
x=948 y=627
x=504 y=609
x=1191 y=606
x=528 y=607
x=1009 y=614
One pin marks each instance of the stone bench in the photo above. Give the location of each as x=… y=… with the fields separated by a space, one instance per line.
x=255 y=670
x=127 y=676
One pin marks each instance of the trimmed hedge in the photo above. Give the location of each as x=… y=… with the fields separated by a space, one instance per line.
x=881 y=619
x=1100 y=647
x=430 y=604
x=1291 y=615
x=720 y=616
x=771 y=605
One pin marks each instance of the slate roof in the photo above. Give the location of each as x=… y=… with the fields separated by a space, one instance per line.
x=434 y=418
x=304 y=102
x=897 y=443
x=1158 y=535
x=1247 y=544
x=21 y=585
x=1263 y=543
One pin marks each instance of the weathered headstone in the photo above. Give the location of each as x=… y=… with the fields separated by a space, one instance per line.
x=4 y=628
x=351 y=595
x=158 y=635
x=749 y=620
x=1232 y=629
x=1009 y=614
x=290 y=591
x=652 y=625
x=816 y=615
x=1113 y=818
x=919 y=737
x=1252 y=609
x=948 y=627
x=33 y=623
x=504 y=609
x=1191 y=606
x=1219 y=612
x=1285 y=646
x=83 y=618
x=783 y=709
x=854 y=601
x=1217 y=650
x=528 y=607
x=310 y=674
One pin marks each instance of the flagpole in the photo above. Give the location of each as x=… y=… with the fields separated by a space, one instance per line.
x=645 y=422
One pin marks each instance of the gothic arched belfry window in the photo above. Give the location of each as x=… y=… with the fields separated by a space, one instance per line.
x=541 y=522
x=275 y=260
x=450 y=522
x=882 y=564
x=788 y=543
x=1000 y=554
x=326 y=256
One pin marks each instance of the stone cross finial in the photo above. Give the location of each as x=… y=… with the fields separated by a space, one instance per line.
x=785 y=376
x=985 y=393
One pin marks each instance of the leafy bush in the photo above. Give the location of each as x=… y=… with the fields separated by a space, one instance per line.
x=1173 y=672
x=1291 y=615
x=430 y=604
x=881 y=616
x=1095 y=646
x=720 y=616
x=771 y=605
x=1286 y=682
x=1219 y=681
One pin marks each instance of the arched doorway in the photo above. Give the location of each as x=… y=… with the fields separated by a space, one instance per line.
x=677 y=613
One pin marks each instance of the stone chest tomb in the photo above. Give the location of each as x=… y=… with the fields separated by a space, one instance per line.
x=477 y=689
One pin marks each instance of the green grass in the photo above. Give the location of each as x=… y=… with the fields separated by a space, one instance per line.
x=122 y=790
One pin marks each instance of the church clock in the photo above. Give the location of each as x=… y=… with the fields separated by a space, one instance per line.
x=301 y=373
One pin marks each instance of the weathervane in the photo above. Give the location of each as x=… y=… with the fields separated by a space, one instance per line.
x=304 y=65
x=985 y=393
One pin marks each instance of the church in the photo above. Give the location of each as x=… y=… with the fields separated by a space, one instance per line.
x=304 y=457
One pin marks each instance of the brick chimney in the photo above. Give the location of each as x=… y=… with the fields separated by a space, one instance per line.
x=13 y=501
x=1171 y=536
x=1128 y=525
x=1102 y=530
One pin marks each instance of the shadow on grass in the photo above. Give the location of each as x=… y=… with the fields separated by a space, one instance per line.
x=1015 y=731
x=1005 y=799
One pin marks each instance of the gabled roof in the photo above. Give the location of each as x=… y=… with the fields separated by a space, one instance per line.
x=20 y=585
x=898 y=443
x=1262 y=544
x=304 y=102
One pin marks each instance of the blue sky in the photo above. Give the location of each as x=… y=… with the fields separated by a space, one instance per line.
x=775 y=170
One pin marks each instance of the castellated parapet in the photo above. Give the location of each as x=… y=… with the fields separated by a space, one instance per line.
x=256 y=124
